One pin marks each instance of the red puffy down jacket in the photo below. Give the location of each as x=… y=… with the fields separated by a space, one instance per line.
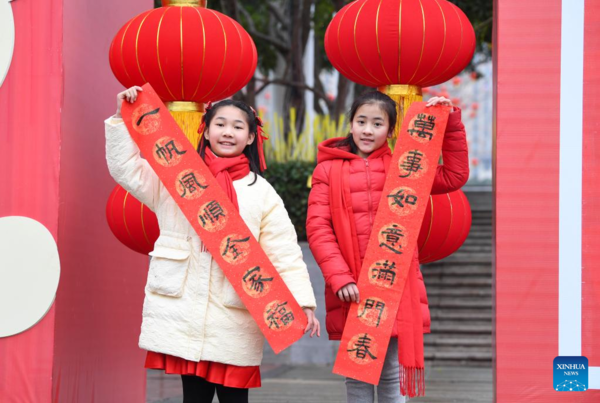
x=367 y=177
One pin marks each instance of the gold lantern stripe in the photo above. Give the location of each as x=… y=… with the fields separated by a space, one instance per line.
x=111 y=202
x=459 y=48
x=125 y=220
x=377 y=38
x=166 y=9
x=399 y=41
x=143 y=225
x=422 y=45
x=181 y=41
x=341 y=70
x=447 y=232
x=203 y=52
x=430 y=225
x=219 y=96
x=356 y=46
x=137 y=58
x=122 y=42
x=463 y=207
x=443 y=46
x=224 y=54
x=340 y=49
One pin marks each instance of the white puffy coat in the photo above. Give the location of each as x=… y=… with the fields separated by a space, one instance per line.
x=191 y=310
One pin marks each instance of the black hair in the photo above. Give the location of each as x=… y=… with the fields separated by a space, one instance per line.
x=251 y=150
x=387 y=104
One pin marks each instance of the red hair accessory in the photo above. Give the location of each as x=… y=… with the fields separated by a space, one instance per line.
x=260 y=137
x=202 y=127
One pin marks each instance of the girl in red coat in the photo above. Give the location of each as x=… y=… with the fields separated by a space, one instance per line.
x=346 y=187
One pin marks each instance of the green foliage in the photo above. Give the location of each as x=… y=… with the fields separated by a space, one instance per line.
x=300 y=146
x=290 y=180
x=481 y=15
x=258 y=12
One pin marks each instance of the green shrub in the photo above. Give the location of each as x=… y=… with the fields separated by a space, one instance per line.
x=290 y=180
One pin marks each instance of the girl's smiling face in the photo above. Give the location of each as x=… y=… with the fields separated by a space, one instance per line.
x=228 y=133
x=370 y=128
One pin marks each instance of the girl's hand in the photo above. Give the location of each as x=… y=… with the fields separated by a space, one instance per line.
x=349 y=293
x=130 y=95
x=439 y=101
x=313 y=323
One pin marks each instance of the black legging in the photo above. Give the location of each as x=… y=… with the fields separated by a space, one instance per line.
x=199 y=390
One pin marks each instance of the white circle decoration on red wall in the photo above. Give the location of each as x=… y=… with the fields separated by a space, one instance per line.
x=7 y=37
x=29 y=273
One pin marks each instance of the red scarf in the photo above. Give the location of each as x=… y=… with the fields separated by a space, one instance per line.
x=409 y=319
x=227 y=170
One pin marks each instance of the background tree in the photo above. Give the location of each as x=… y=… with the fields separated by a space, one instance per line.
x=281 y=29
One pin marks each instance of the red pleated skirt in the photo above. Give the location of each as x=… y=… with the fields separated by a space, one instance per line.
x=215 y=372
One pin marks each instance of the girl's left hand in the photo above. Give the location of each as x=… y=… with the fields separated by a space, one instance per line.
x=313 y=323
x=439 y=101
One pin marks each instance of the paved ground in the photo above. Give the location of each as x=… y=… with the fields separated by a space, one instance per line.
x=302 y=373
x=316 y=384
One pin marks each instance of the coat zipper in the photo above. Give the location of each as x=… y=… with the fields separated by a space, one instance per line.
x=368 y=171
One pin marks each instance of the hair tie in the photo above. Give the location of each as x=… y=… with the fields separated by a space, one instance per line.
x=260 y=137
x=202 y=127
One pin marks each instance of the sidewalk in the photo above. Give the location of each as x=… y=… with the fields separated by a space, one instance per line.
x=302 y=372
x=316 y=384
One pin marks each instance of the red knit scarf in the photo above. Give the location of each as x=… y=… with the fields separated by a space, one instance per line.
x=409 y=319
x=226 y=170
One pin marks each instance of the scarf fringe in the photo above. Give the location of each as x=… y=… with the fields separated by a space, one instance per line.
x=412 y=381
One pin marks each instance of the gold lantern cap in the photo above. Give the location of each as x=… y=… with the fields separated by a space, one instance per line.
x=184 y=106
x=401 y=89
x=184 y=3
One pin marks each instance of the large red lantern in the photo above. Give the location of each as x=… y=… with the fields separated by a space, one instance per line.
x=411 y=42
x=445 y=227
x=190 y=55
x=134 y=224
x=400 y=46
x=185 y=51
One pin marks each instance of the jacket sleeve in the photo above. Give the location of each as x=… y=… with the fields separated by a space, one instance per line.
x=126 y=165
x=454 y=172
x=279 y=241
x=321 y=238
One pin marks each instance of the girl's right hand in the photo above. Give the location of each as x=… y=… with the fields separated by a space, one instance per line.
x=349 y=293
x=130 y=95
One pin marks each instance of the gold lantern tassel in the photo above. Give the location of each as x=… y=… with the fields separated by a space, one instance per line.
x=405 y=96
x=188 y=116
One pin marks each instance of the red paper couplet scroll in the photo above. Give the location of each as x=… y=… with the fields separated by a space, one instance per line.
x=215 y=219
x=392 y=243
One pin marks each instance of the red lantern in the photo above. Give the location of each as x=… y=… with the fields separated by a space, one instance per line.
x=445 y=227
x=386 y=42
x=134 y=224
x=186 y=52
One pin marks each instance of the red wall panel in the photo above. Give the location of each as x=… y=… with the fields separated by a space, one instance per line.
x=30 y=103
x=99 y=303
x=527 y=168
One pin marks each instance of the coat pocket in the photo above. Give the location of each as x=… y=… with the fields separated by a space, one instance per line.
x=169 y=266
x=230 y=298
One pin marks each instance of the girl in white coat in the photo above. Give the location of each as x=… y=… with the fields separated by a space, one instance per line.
x=194 y=324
